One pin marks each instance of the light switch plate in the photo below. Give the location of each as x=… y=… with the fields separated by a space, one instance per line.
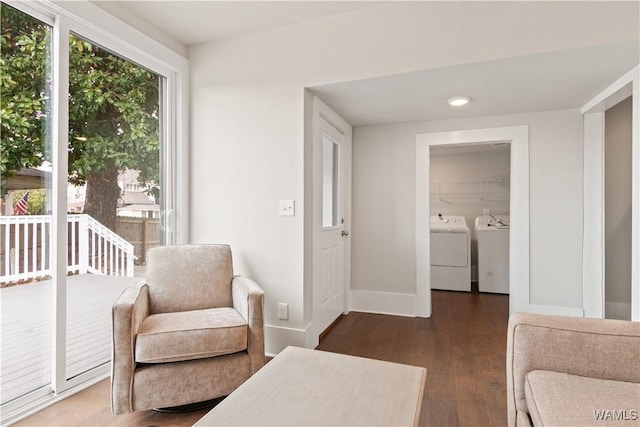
x=283 y=311
x=287 y=208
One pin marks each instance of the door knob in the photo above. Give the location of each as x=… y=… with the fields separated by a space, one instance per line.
x=344 y=233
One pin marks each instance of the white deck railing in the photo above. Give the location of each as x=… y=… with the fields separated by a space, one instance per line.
x=92 y=248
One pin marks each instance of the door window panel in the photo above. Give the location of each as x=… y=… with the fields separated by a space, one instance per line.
x=330 y=181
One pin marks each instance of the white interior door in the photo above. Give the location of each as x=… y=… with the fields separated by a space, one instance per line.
x=332 y=185
x=332 y=235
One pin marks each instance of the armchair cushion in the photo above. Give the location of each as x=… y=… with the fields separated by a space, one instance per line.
x=188 y=335
x=560 y=399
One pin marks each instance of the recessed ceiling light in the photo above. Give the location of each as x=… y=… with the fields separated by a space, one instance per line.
x=459 y=101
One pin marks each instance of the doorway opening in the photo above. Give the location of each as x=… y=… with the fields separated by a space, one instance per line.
x=469 y=217
x=517 y=139
x=611 y=287
x=618 y=208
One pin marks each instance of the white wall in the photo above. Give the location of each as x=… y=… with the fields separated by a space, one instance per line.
x=248 y=110
x=383 y=251
x=618 y=211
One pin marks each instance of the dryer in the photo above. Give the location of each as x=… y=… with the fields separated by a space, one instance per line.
x=450 y=253
x=492 y=232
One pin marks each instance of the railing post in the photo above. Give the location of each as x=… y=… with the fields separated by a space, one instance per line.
x=83 y=244
x=130 y=271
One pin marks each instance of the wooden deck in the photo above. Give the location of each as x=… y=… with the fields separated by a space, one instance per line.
x=26 y=330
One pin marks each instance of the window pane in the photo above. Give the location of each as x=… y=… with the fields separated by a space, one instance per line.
x=113 y=191
x=330 y=193
x=25 y=221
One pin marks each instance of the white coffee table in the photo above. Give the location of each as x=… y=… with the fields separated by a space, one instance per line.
x=301 y=387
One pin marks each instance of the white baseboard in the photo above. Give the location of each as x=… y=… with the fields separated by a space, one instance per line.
x=556 y=311
x=617 y=310
x=277 y=338
x=312 y=338
x=383 y=303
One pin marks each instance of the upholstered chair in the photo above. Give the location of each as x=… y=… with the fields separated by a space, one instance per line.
x=191 y=333
x=565 y=371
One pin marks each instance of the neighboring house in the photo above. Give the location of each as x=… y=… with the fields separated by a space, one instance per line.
x=138 y=205
x=136 y=199
x=24 y=179
x=76 y=195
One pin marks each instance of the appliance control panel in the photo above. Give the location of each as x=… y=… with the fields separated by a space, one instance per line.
x=493 y=220
x=448 y=219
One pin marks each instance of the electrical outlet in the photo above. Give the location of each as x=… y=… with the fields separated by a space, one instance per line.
x=283 y=311
x=287 y=208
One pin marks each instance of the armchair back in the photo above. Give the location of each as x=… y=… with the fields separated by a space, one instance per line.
x=189 y=277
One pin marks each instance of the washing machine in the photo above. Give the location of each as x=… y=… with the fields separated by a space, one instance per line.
x=450 y=253
x=492 y=232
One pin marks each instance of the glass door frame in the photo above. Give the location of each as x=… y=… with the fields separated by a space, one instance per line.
x=46 y=390
x=101 y=28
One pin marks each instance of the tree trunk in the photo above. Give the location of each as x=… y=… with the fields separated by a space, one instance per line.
x=102 y=196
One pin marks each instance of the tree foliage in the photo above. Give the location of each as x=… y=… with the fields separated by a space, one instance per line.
x=24 y=92
x=113 y=112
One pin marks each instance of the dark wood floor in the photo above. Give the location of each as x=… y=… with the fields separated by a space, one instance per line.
x=462 y=346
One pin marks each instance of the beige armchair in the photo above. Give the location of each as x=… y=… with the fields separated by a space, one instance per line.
x=564 y=371
x=191 y=333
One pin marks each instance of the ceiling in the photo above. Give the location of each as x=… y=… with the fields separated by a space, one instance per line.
x=194 y=22
x=550 y=81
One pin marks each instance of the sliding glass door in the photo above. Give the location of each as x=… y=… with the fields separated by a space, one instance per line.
x=88 y=177
x=113 y=183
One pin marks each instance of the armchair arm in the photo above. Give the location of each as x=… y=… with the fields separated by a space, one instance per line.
x=127 y=315
x=248 y=299
x=596 y=348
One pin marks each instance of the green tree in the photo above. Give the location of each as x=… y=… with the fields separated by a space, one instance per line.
x=113 y=112
x=24 y=92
